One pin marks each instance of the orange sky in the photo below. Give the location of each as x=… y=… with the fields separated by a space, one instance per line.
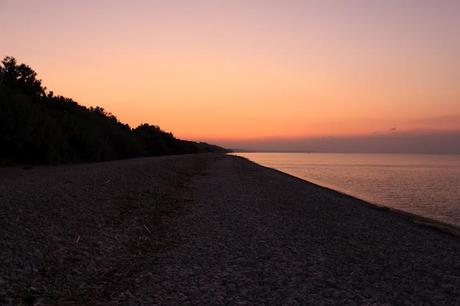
x=213 y=70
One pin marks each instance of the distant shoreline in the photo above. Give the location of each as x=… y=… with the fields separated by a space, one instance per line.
x=415 y=218
x=315 y=152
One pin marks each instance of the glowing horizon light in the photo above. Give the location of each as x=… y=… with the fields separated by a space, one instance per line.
x=239 y=70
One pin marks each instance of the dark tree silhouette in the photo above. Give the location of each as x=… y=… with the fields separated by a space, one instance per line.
x=38 y=127
x=20 y=77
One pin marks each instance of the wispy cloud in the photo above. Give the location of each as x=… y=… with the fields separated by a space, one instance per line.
x=393 y=141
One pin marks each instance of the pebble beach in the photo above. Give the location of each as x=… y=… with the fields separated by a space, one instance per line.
x=209 y=229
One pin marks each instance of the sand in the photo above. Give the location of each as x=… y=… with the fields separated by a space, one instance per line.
x=209 y=229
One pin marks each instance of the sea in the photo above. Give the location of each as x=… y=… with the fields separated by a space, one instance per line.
x=426 y=185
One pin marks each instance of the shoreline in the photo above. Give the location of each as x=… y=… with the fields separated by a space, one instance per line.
x=209 y=229
x=445 y=227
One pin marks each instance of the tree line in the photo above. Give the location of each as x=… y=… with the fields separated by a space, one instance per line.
x=38 y=127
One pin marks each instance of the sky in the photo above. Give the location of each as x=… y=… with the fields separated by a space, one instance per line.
x=238 y=73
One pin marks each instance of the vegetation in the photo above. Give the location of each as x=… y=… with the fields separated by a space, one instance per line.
x=38 y=127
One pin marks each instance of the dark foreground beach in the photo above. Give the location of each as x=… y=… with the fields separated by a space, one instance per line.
x=208 y=229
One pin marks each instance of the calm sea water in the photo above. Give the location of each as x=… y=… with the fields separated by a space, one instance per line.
x=427 y=185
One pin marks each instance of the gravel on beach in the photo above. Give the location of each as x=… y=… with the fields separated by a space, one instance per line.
x=208 y=229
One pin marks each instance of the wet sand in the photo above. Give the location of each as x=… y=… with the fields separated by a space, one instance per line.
x=209 y=229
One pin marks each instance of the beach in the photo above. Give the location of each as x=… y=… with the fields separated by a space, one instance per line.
x=209 y=229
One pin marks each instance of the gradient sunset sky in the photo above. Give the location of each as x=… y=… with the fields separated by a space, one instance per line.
x=238 y=70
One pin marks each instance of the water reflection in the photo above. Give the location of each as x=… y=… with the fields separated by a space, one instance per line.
x=427 y=185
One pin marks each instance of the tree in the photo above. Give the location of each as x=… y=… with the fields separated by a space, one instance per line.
x=36 y=127
x=21 y=77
